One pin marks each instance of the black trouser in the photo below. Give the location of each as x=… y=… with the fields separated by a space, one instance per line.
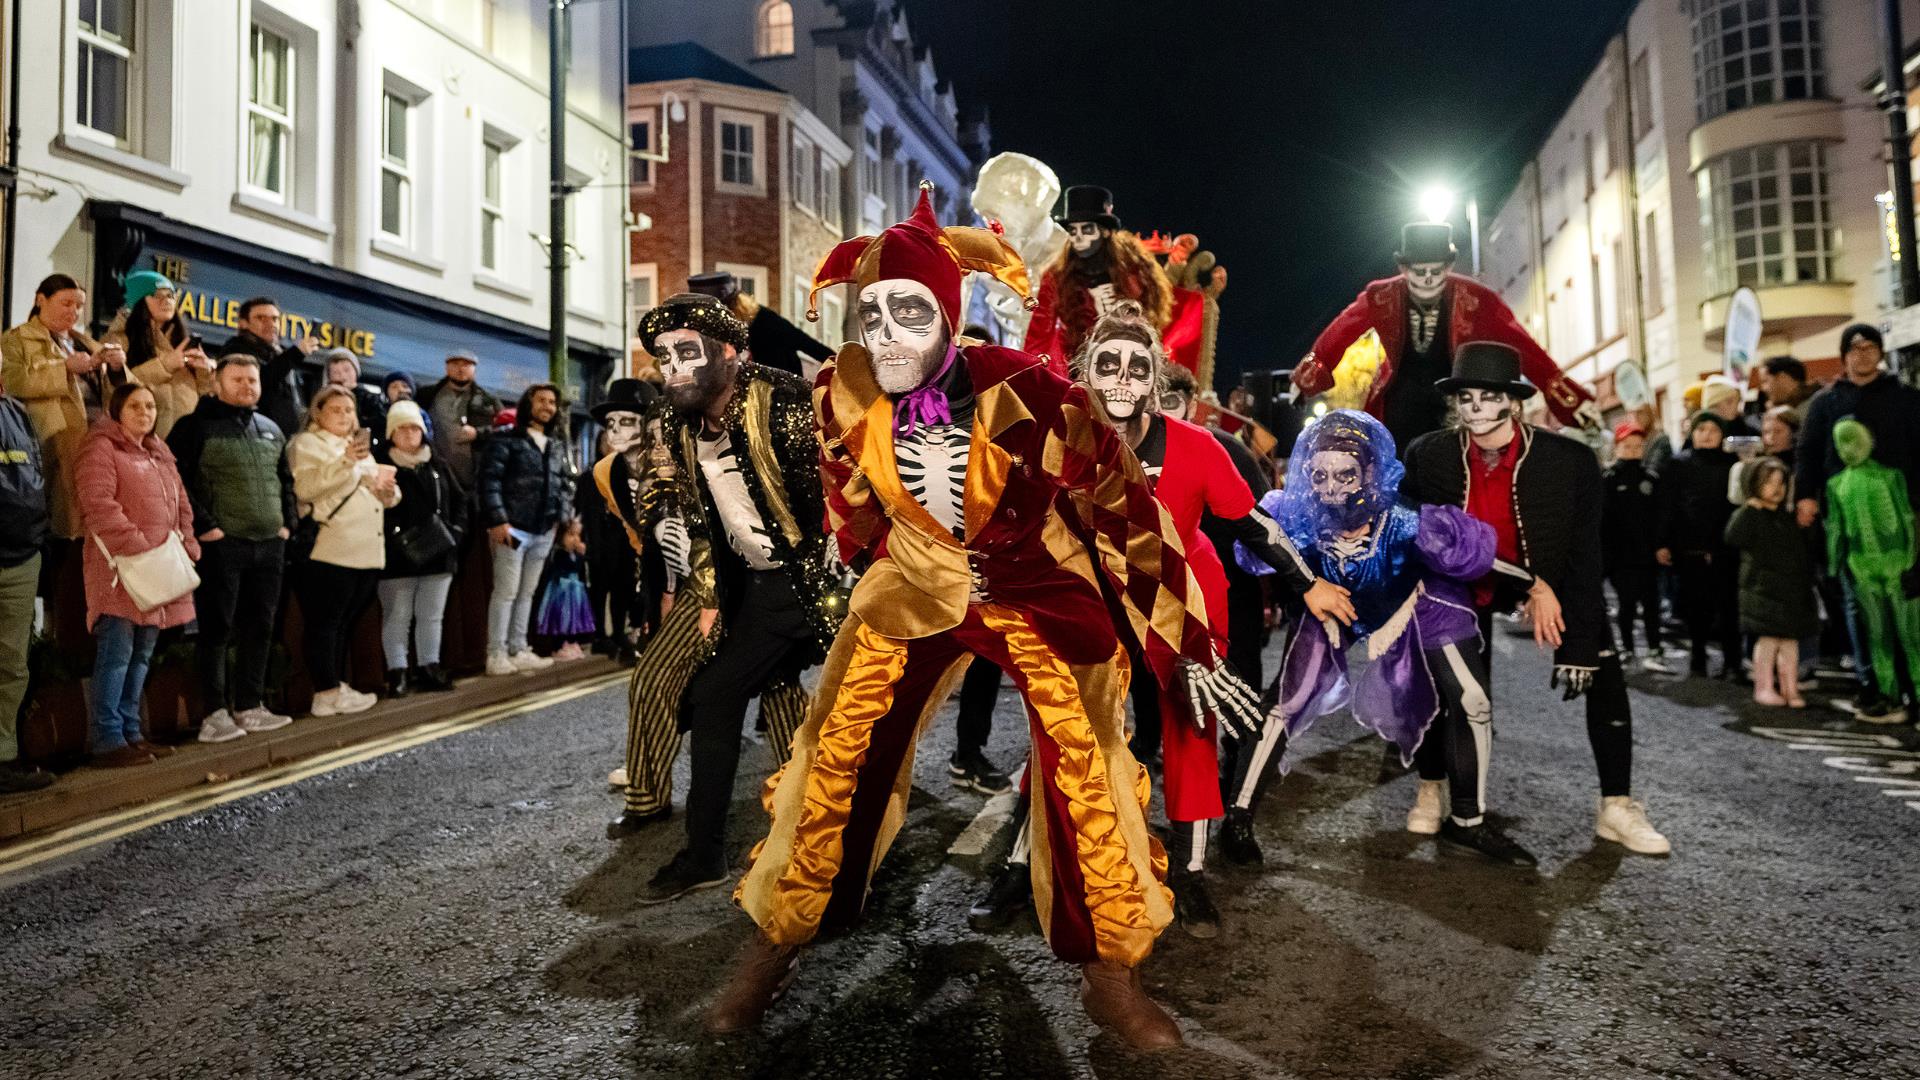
x=979 y=692
x=610 y=589
x=1459 y=750
x=1710 y=604
x=331 y=597
x=1609 y=720
x=238 y=595
x=1638 y=590
x=1246 y=626
x=765 y=630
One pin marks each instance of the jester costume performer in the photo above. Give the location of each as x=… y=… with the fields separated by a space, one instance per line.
x=1870 y=535
x=991 y=507
x=1409 y=573
x=1421 y=316
x=1541 y=494
x=755 y=603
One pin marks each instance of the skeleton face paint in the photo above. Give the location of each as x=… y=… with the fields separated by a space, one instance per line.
x=1086 y=238
x=1482 y=411
x=624 y=430
x=1339 y=482
x=694 y=377
x=1425 y=280
x=905 y=333
x=1121 y=375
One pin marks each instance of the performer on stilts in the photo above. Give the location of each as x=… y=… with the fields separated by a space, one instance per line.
x=755 y=604
x=991 y=505
x=1409 y=572
x=1541 y=492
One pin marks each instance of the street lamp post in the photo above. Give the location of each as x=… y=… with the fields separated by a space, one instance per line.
x=557 y=192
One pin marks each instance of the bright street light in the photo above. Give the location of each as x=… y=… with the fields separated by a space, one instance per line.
x=1436 y=203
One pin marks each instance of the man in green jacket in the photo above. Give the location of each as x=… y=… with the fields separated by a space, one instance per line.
x=233 y=460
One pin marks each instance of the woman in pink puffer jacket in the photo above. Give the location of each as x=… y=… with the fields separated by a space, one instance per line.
x=130 y=498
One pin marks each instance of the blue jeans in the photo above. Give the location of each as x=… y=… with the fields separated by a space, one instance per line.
x=516 y=576
x=419 y=602
x=119 y=676
x=1856 y=630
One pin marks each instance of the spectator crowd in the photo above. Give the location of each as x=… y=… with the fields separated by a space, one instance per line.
x=254 y=494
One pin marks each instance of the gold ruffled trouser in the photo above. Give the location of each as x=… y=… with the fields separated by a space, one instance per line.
x=1097 y=872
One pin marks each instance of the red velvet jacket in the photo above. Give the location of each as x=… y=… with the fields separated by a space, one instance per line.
x=1058 y=515
x=1476 y=314
x=1198 y=476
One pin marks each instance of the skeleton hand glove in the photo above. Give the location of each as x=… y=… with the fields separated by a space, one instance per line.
x=1220 y=693
x=1574 y=681
x=676 y=546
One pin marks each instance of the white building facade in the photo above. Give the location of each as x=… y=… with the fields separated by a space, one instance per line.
x=378 y=166
x=1717 y=144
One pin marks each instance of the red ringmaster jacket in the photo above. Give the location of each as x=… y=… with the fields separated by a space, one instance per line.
x=1477 y=314
x=1044 y=477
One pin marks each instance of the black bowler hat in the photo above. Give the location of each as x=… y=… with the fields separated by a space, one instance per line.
x=1086 y=202
x=1486 y=365
x=625 y=395
x=1426 y=242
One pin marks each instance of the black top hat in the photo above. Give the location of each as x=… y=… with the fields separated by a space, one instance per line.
x=719 y=284
x=1426 y=242
x=1486 y=365
x=1086 y=202
x=626 y=395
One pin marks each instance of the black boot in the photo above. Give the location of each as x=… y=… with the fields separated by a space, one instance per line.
x=1237 y=841
x=1192 y=907
x=1010 y=894
x=1485 y=841
x=434 y=678
x=397 y=683
x=629 y=823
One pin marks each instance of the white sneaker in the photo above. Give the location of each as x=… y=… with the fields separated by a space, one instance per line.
x=259 y=719
x=220 y=728
x=353 y=701
x=341 y=701
x=617 y=778
x=1429 y=804
x=1624 y=821
x=1656 y=662
x=498 y=664
x=525 y=660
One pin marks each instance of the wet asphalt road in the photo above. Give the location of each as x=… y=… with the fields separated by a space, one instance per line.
x=454 y=911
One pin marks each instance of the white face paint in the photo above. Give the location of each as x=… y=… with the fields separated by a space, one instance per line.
x=680 y=354
x=904 y=332
x=1425 y=280
x=624 y=430
x=1336 y=476
x=1121 y=376
x=1085 y=236
x=1482 y=411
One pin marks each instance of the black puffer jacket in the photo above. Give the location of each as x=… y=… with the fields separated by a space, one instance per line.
x=1557 y=503
x=427 y=491
x=23 y=487
x=522 y=485
x=1694 y=503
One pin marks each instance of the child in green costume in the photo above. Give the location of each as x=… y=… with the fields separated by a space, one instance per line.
x=1870 y=533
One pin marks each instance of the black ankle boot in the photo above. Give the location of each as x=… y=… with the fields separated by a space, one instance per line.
x=397 y=684
x=1237 y=841
x=433 y=677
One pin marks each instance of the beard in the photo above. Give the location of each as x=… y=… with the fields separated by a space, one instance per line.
x=902 y=370
x=698 y=391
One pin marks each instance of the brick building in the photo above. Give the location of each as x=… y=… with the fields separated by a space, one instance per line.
x=735 y=175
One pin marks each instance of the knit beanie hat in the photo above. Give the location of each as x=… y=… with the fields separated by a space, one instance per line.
x=404 y=412
x=326 y=358
x=1706 y=417
x=1690 y=397
x=1717 y=389
x=1861 y=330
x=398 y=376
x=1852 y=441
x=144 y=283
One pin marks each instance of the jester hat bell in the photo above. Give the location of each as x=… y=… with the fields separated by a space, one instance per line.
x=918 y=249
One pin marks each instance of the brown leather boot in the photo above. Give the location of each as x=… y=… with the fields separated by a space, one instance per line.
x=760 y=976
x=1114 y=999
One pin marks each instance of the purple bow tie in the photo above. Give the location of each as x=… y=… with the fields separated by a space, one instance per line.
x=927 y=405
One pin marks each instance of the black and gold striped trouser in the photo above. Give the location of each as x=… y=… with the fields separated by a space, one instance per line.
x=660 y=678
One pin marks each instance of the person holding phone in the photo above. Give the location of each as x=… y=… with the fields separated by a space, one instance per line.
x=346 y=493
x=161 y=355
x=287 y=378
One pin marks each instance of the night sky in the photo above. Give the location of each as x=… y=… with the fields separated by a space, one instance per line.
x=1291 y=135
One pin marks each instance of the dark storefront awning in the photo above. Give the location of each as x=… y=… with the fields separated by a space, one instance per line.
x=386 y=326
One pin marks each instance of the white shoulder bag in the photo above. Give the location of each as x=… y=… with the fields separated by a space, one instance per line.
x=158 y=576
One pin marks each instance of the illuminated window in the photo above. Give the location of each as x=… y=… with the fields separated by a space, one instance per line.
x=1765 y=218
x=1755 y=52
x=774 y=29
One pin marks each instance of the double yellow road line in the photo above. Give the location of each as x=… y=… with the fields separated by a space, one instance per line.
x=111 y=826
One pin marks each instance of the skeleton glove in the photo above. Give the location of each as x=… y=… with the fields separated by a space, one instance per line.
x=1220 y=693
x=676 y=546
x=1574 y=681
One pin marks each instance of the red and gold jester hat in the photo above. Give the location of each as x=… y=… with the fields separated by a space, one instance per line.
x=918 y=249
